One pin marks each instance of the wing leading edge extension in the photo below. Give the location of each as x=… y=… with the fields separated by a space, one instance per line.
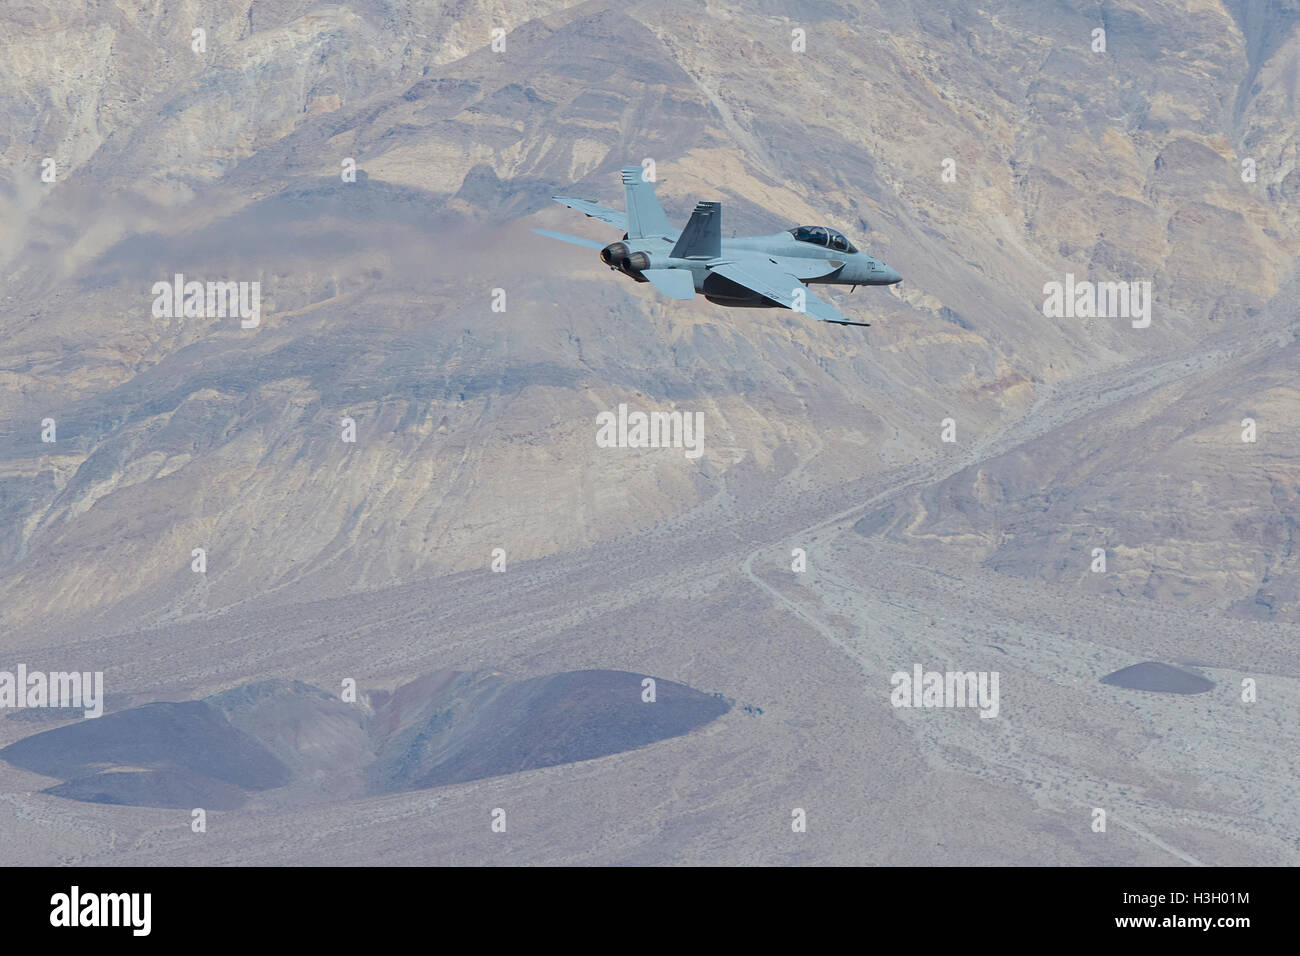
x=781 y=287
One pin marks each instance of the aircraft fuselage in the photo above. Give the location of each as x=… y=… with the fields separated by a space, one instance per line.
x=808 y=262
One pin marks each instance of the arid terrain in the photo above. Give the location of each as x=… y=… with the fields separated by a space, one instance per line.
x=969 y=485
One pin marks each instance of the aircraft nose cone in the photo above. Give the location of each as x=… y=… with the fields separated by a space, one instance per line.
x=892 y=277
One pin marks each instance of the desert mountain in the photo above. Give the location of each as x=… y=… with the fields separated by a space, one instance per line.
x=984 y=151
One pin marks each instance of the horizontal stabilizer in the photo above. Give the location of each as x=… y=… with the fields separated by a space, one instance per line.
x=576 y=240
x=674 y=283
x=702 y=237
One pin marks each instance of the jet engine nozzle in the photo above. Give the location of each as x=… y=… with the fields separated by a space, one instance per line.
x=614 y=254
x=618 y=256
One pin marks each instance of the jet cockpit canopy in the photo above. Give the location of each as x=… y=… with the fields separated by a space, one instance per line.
x=823 y=236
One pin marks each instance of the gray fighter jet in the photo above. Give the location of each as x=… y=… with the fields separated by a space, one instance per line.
x=754 y=271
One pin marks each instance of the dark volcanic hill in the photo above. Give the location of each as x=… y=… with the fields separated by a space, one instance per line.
x=447 y=727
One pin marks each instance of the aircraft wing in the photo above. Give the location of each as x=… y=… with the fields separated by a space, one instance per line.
x=612 y=216
x=773 y=282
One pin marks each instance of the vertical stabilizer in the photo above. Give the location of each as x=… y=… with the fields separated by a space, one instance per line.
x=702 y=237
x=644 y=215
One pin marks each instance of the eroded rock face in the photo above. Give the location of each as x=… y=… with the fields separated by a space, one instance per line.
x=447 y=727
x=1159 y=678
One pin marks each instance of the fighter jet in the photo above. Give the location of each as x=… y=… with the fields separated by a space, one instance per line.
x=752 y=272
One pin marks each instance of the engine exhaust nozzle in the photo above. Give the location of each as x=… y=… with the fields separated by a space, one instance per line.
x=614 y=254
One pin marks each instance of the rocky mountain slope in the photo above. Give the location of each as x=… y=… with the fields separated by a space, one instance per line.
x=983 y=151
x=175 y=433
